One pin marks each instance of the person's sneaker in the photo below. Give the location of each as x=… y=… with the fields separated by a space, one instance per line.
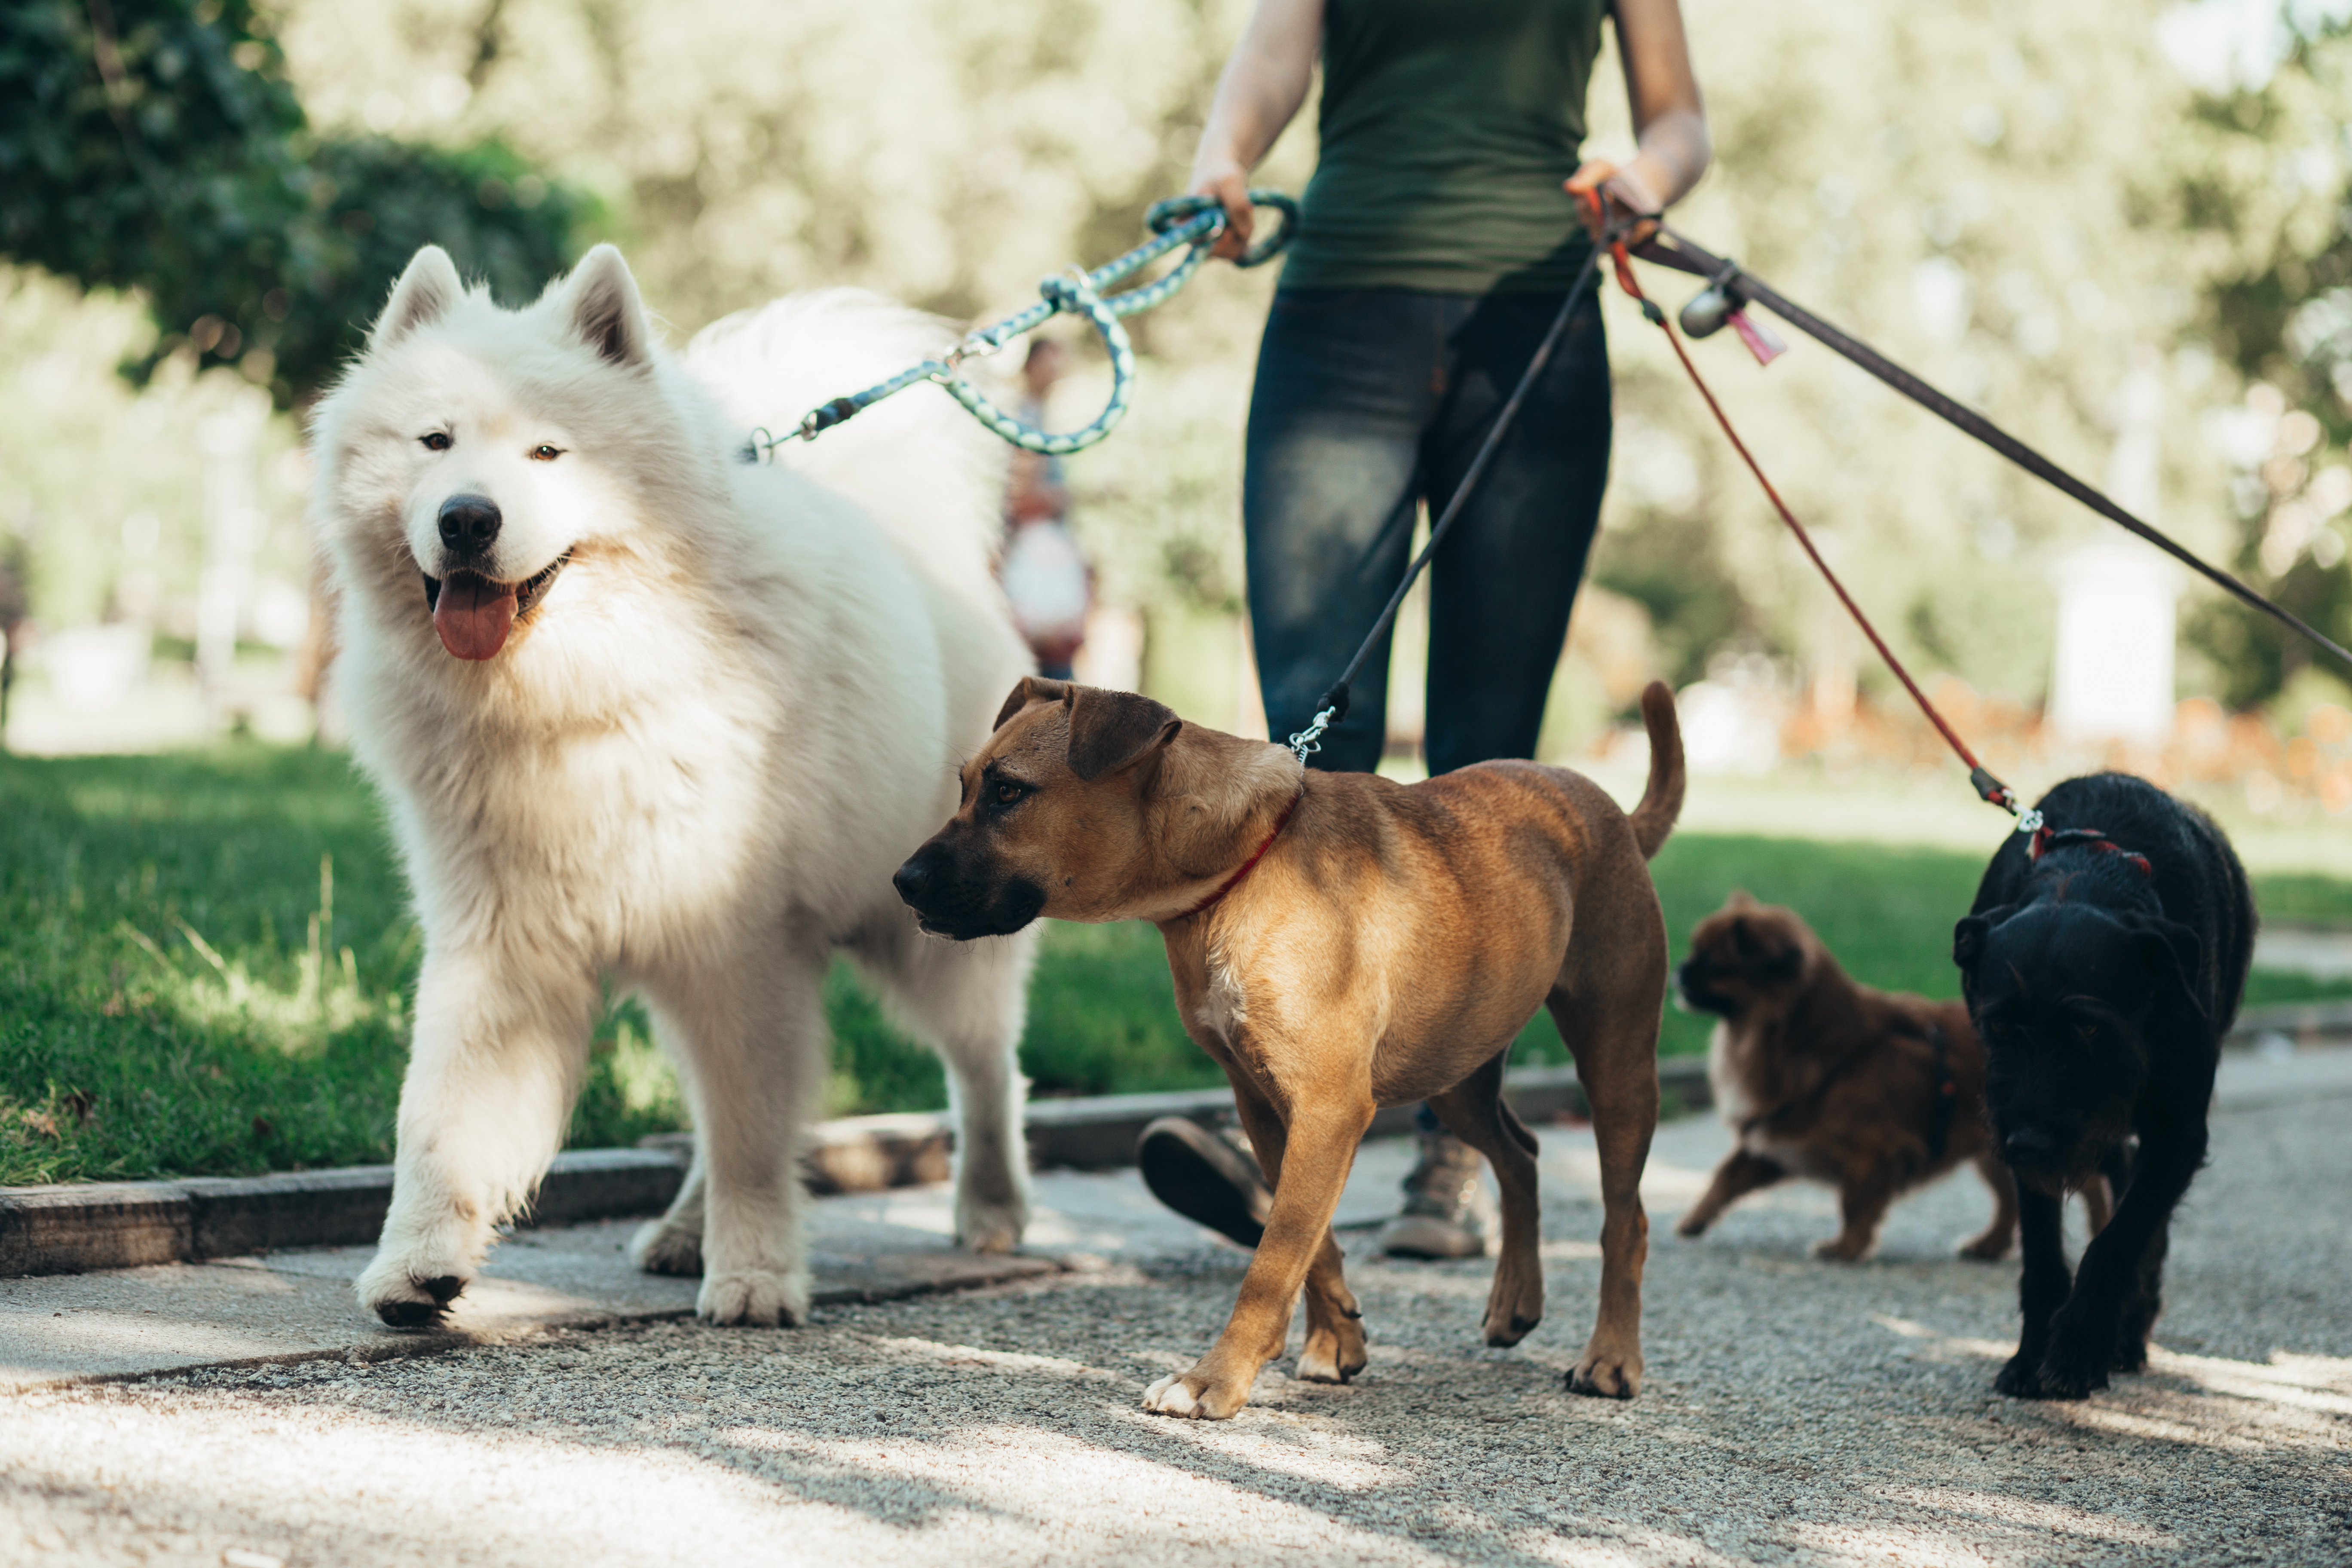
x=1447 y=1213
x=1206 y=1177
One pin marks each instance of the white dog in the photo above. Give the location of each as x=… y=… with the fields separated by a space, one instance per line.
x=648 y=711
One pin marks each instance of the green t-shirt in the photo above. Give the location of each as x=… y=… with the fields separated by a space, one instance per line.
x=1447 y=127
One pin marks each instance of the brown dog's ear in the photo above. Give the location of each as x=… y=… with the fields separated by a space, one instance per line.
x=1112 y=731
x=1032 y=689
x=1741 y=898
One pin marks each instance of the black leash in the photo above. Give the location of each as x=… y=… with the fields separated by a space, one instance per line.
x=1728 y=286
x=1332 y=706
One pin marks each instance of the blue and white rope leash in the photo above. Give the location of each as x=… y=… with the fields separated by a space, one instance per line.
x=1194 y=220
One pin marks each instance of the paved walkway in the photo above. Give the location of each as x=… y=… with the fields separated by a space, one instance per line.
x=1794 y=1411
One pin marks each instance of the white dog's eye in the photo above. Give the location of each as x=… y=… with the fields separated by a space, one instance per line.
x=543 y=453
x=436 y=441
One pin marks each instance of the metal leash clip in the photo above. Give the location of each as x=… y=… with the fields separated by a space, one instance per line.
x=1309 y=741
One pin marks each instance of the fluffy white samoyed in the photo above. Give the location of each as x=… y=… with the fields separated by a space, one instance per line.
x=647 y=712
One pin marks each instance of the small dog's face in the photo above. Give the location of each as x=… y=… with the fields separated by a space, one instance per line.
x=1743 y=955
x=2061 y=995
x=1034 y=834
x=1088 y=805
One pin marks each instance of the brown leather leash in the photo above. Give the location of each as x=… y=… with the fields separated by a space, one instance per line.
x=1979 y=776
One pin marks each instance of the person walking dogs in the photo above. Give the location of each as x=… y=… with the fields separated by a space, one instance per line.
x=1436 y=245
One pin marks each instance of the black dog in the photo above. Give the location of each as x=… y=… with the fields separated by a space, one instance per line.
x=2103 y=962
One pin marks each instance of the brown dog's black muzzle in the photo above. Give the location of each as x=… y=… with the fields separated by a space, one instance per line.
x=953 y=898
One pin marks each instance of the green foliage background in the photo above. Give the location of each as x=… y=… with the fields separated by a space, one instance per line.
x=158 y=145
x=2086 y=213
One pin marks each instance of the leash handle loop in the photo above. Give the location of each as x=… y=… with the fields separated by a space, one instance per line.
x=1175 y=223
x=1076 y=296
x=1986 y=784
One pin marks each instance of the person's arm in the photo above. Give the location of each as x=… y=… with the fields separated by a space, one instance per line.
x=1262 y=85
x=1669 y=118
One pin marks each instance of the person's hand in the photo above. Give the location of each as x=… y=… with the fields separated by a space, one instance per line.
x=1622 y=191
x=1229 y=183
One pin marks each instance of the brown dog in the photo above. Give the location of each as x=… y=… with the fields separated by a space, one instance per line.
x=1341 y=942
x=1875 y=1092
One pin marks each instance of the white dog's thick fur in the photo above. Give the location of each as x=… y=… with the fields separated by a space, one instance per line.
x=729 y=699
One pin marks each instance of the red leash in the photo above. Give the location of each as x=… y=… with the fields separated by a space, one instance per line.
x=1989 y=787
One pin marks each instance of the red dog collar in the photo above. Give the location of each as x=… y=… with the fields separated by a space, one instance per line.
x=1230 y=883
x=2046 y=839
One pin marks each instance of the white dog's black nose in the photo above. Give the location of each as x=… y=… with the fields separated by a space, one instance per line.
x=469 y=523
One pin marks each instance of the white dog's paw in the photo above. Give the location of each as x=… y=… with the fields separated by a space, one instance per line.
x=760 y=1297
x=1169 y=1396
x=661 y=1247
x=985 y=1225
x=405 y=1297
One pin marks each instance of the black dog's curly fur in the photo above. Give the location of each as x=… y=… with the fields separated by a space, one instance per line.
x=2102 y=978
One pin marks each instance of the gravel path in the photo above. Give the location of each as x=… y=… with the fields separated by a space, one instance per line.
x=1794 y=1411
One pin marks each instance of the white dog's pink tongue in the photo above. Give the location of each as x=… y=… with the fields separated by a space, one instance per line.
x=473 y=615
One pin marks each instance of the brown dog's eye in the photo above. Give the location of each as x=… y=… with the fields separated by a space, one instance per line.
x=543 y=453
x=437 y=441
x=1008 y=792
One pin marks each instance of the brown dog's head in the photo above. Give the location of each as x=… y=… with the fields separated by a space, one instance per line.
x=1744 y=954
x=1088 y=805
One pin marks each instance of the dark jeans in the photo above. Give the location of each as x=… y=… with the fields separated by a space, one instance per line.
x=1366 y=400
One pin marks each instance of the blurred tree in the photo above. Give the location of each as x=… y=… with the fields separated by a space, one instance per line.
x=157 y=145
x=2269 y=191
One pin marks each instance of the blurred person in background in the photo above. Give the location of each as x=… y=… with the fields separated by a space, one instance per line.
x=1044 y=573
x=1438 y=243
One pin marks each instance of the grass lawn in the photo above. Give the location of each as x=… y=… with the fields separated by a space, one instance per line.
x=206 y=958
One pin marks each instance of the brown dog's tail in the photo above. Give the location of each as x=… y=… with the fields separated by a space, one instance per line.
x=1662 y=801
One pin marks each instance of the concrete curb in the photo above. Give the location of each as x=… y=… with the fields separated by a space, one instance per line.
x=868 y=1153
x=76 y=1229
x=79 y=1228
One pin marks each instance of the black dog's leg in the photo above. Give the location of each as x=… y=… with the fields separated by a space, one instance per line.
x=2122 y=1265
x=2115 y=1165
x=2040 y=1289
x=2142 y=1302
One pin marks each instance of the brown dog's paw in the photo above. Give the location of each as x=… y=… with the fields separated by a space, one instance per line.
x=1602 y=1376
x=1505 y=1326
x=1986 y=1248
x=1843 y=1249
x=1332 y=1356
x=1693 y=1224
x=1193 y=1397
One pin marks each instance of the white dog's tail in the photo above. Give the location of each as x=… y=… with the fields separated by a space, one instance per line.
x=920 y=465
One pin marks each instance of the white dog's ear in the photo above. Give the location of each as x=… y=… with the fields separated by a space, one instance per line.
x=422 y=296
x=605 y=310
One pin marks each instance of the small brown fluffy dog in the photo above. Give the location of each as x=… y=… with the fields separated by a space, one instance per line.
x=1341 y=942
x=1874 y=1092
